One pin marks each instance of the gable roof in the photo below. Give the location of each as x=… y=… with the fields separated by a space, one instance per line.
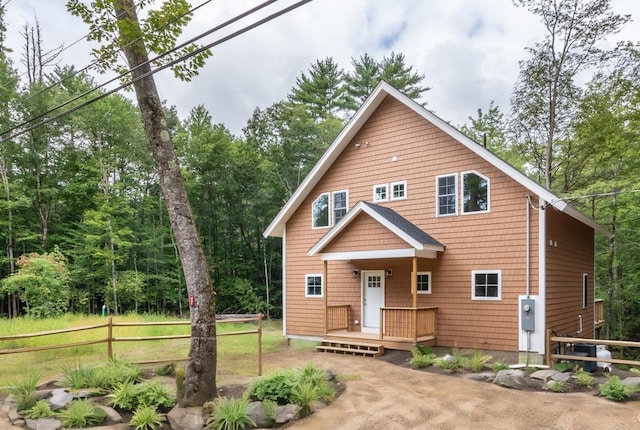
x=421 y=243
x=276 y=228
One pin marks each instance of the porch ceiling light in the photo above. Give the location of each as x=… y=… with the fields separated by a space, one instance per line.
x=355 y=273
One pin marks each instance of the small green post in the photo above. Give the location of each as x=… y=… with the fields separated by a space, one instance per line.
x=104 y=310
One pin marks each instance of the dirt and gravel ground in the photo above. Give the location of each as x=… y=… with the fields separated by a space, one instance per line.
x=385 y=394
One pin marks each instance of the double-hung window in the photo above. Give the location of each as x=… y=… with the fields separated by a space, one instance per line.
x=486 y=285
x=447 y=196
x=313 y=286
x=339 y=205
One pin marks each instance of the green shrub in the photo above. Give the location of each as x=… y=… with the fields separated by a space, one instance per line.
x=615 y=390
x=24 y=391
x=499 y=365
x=146 y=418
x=304 y=394
x=82 y=413
x=168 y=369
x=128 y=396
x=422 y=357
x=583 y=378
x=478 y=361
x=557 y=387
x=230 y=414
x=276 y=387
x=79 y=376
x=455 y=362
x=41 y=409
x=115 y=372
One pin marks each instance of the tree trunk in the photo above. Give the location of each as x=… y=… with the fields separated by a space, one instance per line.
x=200 y=372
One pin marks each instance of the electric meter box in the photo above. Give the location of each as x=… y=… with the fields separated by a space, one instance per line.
x=527 y=314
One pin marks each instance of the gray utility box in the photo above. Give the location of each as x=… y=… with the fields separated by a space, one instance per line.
x=586 y=350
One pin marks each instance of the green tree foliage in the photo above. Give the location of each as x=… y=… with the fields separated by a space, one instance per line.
x=42 y=282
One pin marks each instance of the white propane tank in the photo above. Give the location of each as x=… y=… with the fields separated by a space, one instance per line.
x=603 y=354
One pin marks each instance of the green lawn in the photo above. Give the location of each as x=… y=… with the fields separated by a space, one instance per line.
x=237 y=355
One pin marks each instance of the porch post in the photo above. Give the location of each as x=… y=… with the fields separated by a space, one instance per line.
x=414 y=289
x=326 y=299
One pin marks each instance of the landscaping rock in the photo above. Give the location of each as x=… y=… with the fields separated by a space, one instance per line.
x=113 y=417
x=59 y=398
x=543 y=374
x=258 y=415
x=44 y=424
x=286 y=413
x=186 y=418
x=633 y=381
x=482 y=377
x=511 y=378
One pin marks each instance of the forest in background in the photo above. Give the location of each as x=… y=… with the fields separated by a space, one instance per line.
x=84 y=222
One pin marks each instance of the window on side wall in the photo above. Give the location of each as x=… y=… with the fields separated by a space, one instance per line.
x=340 y=203
x=313 y=286
x=486 y=285
x=380 y=193
x=399 y=190
x=424 y=283
x=446 y=192
x=320 y=211
x=475 y=193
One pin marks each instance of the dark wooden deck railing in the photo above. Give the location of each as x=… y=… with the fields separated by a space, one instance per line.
x=407 y=323
x=338 y=317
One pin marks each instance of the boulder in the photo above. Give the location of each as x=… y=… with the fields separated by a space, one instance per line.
x=113 y=416
x=59 y=398
x=550 y=374
x=633 y=381
x=286 y=413
x=258 y=415
x=482 y=377
x=511 y=378
x=44 y=424
x=191 y=418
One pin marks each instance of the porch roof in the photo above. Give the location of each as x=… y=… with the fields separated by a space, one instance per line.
x=420 y=243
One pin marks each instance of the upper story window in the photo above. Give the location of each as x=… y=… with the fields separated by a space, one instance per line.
x=486 y=285
x=424 y=283
x=320 y=211
x=398 y=190
x=340 y=202
x=475 y=193
x=380 y=193
x=446 y=195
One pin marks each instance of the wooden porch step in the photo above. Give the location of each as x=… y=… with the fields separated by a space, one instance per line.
x=353 y=348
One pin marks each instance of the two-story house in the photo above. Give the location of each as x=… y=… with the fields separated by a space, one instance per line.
x=408 y=231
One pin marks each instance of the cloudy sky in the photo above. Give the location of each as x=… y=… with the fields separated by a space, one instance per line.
x=468 y=50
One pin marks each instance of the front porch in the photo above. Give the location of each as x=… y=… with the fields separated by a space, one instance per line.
x=400 y=327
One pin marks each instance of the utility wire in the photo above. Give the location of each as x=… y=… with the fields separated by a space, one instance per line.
x=164 y=66
x=92 y=64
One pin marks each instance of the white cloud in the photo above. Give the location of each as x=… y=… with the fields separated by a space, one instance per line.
x=467 y=49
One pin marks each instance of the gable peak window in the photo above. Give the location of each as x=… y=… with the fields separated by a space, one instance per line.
x=380 y=193
x=399 y=190
x=320 y=211
x=475 y=193
x=340 y=203
x=446 y=195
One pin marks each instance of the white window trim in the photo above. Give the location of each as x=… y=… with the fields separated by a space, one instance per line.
x=313 y=218
x=375 y=199
x=390 y=191
x=461 y=193
x=306 y=284
x=473 y=285
x=430 y=283
x=455 y=176
x=332 y=206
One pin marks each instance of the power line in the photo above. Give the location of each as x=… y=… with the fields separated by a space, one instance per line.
x=91 y=65
x=162 y=67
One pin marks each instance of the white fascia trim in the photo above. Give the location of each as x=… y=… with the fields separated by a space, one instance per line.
x=276 y=228
x=379 y=254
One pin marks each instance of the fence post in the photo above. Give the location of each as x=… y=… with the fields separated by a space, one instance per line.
x=110 y=338
x=259 y=344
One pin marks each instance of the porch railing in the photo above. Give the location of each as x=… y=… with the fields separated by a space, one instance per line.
x=338 y=317
x=407 y=323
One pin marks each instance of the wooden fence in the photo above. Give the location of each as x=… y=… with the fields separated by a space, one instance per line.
x=564 y=343
x=110 y=339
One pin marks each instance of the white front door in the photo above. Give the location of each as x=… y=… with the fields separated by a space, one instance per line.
x=372 y=299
